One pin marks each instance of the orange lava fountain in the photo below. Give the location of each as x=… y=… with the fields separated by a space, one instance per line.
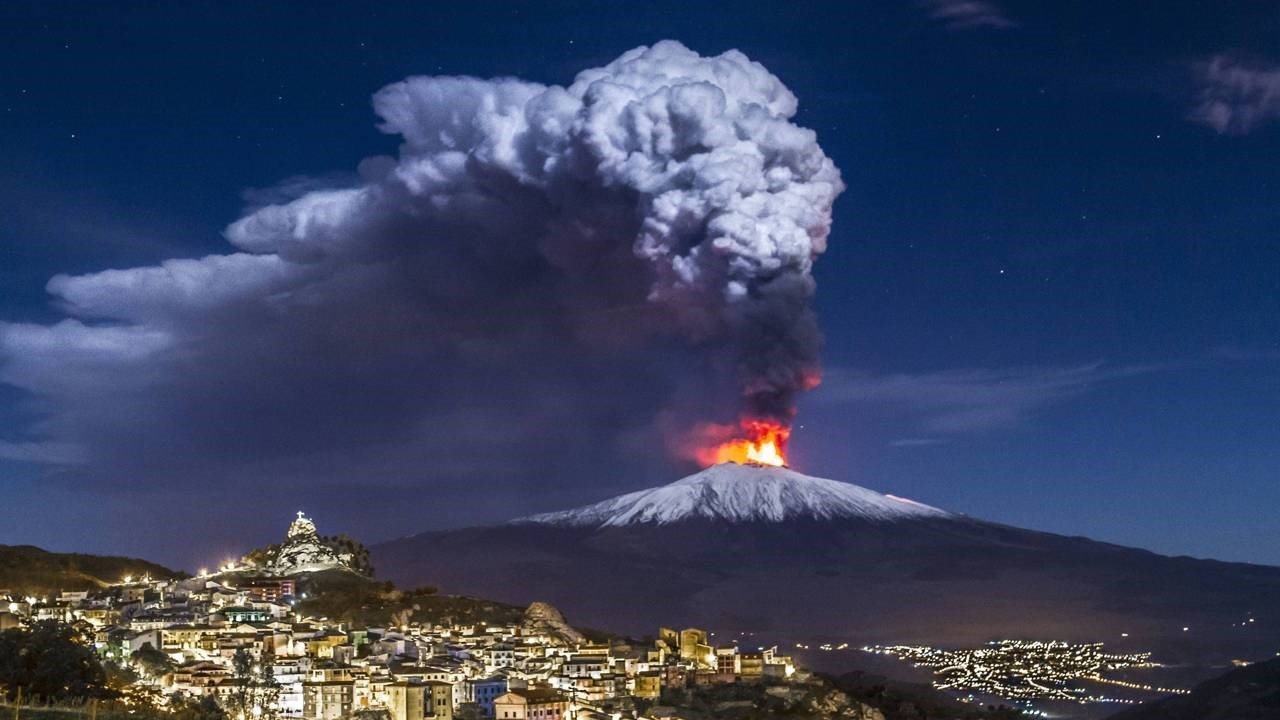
x=763 y=442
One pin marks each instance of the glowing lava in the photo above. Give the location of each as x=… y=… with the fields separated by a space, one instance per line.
x=764 y=443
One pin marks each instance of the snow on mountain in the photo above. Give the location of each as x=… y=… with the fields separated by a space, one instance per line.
x=741 y=493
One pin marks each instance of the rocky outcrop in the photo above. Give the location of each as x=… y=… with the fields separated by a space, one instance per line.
x=811 y=699
x=836 y=704
x=823 y=702
x=303 y=551
x=544 y=619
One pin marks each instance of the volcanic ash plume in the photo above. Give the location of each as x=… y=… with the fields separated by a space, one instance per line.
x=661 y=211
x=689 y=164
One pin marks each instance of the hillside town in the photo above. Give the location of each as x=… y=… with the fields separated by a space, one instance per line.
x=239 y=637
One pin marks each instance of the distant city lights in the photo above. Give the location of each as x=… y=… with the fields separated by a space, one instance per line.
x=1029 y=670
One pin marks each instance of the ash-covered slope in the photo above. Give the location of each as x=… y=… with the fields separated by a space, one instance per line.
x=794 y=558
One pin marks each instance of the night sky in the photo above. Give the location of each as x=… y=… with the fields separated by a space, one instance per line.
x=1050 y=298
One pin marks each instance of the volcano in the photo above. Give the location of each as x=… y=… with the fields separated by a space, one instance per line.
x=791 y=558
x=735 y=493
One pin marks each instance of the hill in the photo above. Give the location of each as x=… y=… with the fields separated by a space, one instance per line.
x=349 y=597
x=29 y=570
x=1248 y=693
x=850 y=697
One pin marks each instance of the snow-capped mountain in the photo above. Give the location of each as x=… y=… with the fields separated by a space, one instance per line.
x=741 y=493
x=770 y=551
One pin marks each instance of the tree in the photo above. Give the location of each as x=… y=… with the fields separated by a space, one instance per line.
x=268 y=689
x=50 y=662
x=151 y=661
x=344 y=544
x=257 y=692
x=263 y=557
x=206 y=708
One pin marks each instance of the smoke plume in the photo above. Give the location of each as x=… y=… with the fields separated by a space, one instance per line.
x=539 y=263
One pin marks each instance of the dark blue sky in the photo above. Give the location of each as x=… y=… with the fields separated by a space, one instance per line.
x=1051 y=296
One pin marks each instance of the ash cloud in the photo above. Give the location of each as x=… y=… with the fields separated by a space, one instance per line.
x=544 y=278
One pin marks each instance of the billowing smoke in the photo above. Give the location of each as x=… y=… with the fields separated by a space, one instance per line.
x=537 y=262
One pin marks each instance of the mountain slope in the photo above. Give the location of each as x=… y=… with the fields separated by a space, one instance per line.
x=1247 y=693
x=794 y=559
x=29 y=570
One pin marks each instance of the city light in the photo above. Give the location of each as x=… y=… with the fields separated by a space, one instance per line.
x=1029 y=670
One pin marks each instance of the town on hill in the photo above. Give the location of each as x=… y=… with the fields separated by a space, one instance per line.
x=303 y=630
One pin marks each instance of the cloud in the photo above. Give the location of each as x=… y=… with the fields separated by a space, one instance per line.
x=967 y=14
x=1235 y=97
x=958 y=402
x=543 y=281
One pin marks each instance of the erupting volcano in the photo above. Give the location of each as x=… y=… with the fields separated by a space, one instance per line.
x=760 y=442
x=747 y=547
